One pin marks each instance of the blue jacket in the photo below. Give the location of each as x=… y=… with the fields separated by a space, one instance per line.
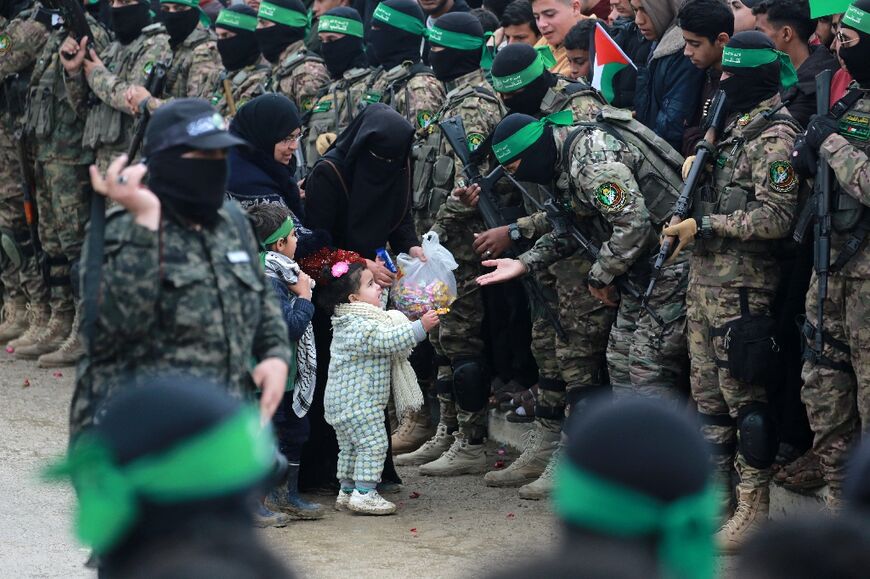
x=297 y=313
x=668 y=89
x=255 y=178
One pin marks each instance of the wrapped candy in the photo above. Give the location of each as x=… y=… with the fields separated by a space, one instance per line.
x=425 y=285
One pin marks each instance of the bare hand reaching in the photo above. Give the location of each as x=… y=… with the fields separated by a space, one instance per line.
x=123 y=185
x=505 y=270
x=430 y=320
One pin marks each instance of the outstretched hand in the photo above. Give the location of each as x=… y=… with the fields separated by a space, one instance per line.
x=505 y=270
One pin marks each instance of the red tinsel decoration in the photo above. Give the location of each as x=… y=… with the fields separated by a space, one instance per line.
x=322 y=261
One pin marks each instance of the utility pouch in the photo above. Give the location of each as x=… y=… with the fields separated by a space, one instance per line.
x=750 y=343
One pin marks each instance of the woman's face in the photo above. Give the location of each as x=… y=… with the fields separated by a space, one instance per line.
x=285 y=148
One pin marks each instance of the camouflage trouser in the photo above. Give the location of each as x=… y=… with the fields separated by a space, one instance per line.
x=573 y=368
x=26 y=280
x=63 y=212
x=836 y=391
x=644 y=358
x=719 y=396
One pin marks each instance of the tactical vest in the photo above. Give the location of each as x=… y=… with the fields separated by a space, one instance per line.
x=334 y=110
x=433 y=166
x=182 y=60
x=846 y=211
x=237 y=82
x=559 y=98
x=290 y=64
x=732 y=198
x=659 y=175
x=397 y=80
x=46 y=90
x=107 y=126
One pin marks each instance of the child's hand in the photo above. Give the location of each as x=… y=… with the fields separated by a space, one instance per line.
x=302 y=287
x=430 y=320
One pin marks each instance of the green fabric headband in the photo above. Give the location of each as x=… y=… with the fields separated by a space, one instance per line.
x=283 y=231
x=456 y=40
x=755 y=57
x=281 y=15
x=230 y=457
x=340 y=25
x=513 y=146
x=857 y=19
x=399 y=19
x=203 y=17
x=543 y=61
x=685 y=526
x=236 y=20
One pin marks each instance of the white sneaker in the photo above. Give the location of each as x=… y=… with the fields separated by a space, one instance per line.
x=370 y=503
x=342 y=500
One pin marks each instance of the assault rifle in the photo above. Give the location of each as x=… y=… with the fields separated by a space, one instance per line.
x=96 y=238
x=564 y=226
x=454 y=132
x=704 y=153
x=76 y=22
x=822 y=227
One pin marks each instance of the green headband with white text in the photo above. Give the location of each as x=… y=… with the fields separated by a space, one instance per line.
x=755 y=57
x=544 y=60
x=514 y=145
x=285 y=16
x=340 y=25
x=857 y=19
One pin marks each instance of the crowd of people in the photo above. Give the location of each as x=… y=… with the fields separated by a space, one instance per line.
x=643 y=198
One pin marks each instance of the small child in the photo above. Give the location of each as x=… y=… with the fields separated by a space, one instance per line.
x=369 y=354
x=276 y=230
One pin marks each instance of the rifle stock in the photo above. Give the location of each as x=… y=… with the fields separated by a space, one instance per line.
x=703 y=155
x=453 y=131
x=822 y=228
x=28 y=191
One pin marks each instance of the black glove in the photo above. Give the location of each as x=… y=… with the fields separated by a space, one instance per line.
x=820 y=128
x=804 y=159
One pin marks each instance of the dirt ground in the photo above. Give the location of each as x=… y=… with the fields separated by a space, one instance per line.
x=456 y=527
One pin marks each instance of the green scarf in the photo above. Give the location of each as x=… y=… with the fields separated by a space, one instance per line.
x=513 y=146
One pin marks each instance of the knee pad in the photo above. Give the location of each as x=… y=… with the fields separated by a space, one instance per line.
x=470 y=385
x=14 y=247
x=757 y=441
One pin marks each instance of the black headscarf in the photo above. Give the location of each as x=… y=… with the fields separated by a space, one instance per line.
x=242 y=49
x=264 y=122
x=450 y=63
x=275 y=39
x=393 y=46
x=512 y=59
x=345 y=53
x=748 y=87
x=856 y=56
x=373 y=153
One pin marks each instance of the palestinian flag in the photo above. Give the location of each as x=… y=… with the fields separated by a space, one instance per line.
x=819 y=8
x=608 y=60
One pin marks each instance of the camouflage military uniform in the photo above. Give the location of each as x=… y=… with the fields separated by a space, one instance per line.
x=459 y=334
x=109 y=124
x=158 y=296
x=22 y=39
x=412 y=90
x=195 y=66
x=247 y=83
x=753 y=206
x=338 y=104
x=835 y=388
x=299 y=75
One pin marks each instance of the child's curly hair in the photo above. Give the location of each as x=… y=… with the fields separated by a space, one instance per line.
x=337 y=290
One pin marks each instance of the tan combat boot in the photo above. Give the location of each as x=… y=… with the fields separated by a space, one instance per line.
x=14 y=320
x=753 y=506
x=538 y=447
x=541 y=488
x=58 y=328
x=431 y=449
x=69 y=352
x=38 y=316
x=413 y=431
x=460 y=458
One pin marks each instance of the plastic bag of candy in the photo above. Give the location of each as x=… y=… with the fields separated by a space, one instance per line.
x=425 y=285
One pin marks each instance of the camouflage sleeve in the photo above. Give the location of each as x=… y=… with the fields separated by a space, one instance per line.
x=23 y=40
x=534 y=226
x=605 y=182
x=548 y=249
x=303 y=83
x=77 y=93
x=205 y=70
x=775 y=188
x=851 y=166
x=110 y=89
x=425 y=97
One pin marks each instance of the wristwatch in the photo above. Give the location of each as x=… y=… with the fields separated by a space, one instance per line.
x=514 y=232
x=706 y=229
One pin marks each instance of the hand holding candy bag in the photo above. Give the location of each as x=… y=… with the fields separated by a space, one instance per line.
x=425 y=285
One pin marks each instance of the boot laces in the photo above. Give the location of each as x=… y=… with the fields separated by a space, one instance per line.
x=531 y=445
x=740 y=518
x=551 y=465
x=440 y=434
x=455 y=448
x=406 y=425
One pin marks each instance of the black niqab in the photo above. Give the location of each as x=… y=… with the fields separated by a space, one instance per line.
x=856 y=56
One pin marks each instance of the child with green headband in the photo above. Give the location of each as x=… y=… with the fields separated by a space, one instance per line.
x=276 y=231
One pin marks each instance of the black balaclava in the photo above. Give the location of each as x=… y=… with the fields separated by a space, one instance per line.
x=179 y=25
x=345 y=53
x=512 y=59
x=275 y=39
x=539 y=160
x=748 y=87
x=241 y=50
x=450 y=63
x=856 y=56
x=191 y=189
x=373 y=152
x=393 y=46
x=128 y=21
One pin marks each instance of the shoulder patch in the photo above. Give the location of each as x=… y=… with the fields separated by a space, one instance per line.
x=323 y=106
x=854 y=125
x=474 y=141
x=5 y=44
x=148 y=67
x=307 y=104
x=424 y=118
x=609 y=197
x=372 y=96
x=782 y=177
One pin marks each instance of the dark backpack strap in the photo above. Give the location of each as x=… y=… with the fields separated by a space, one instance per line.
x=847 y=102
